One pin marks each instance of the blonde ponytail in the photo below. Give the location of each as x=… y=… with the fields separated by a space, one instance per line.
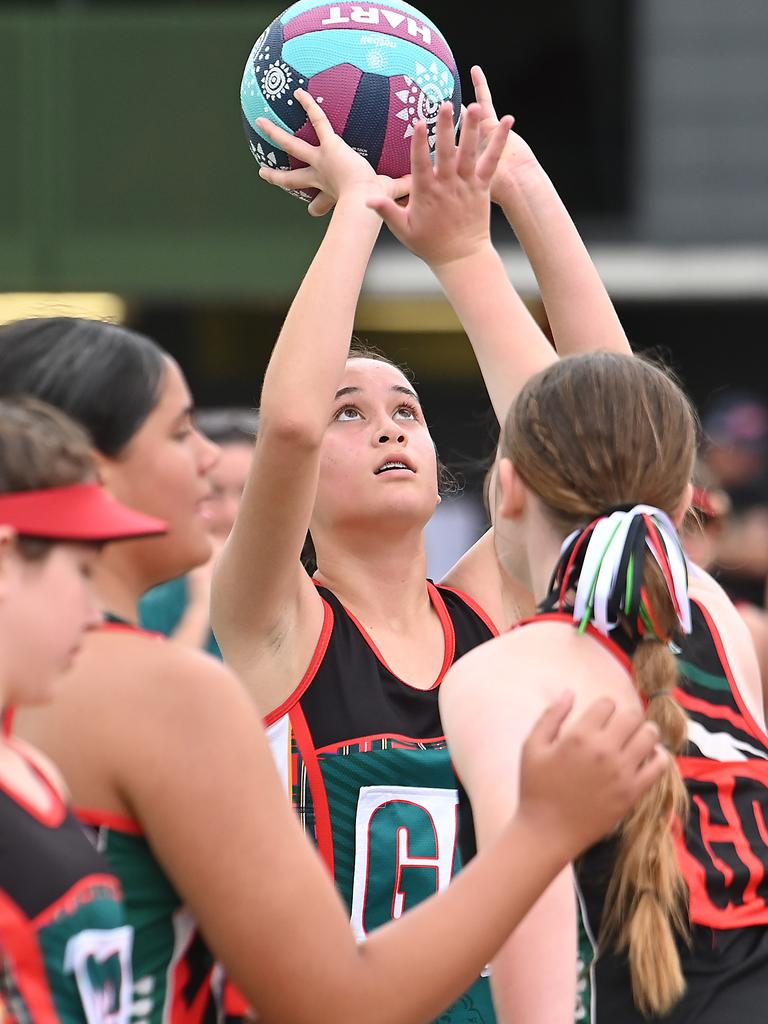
x=647 y=899
x=592 y=436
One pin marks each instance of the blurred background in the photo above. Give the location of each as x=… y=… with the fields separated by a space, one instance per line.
x=127 y=190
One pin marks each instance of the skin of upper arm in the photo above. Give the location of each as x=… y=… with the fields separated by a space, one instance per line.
x=489 y=702
x=486 y=721
x=266 y=613
x=259 y=583
x=207 y=794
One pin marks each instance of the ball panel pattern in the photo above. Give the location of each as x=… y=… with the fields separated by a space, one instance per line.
x=396 y=5
x=376 y=71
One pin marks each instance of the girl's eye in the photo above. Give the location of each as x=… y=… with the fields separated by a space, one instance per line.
x=407 y=411
x=349 y=412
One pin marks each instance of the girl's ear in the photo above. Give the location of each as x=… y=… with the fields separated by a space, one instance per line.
x=103 y=466
x=682 y=508
x=510 y=491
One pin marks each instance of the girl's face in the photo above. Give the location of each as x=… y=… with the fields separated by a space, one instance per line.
x=46 y=606
x=227 y=479
x=378 y=461
x=163 y=471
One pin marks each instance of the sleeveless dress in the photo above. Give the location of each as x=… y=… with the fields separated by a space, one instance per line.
x=363 y=755
x=65 y=944
x=722 y=851
x=176 y=978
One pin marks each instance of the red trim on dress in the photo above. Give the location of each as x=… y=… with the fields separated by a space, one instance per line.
x=759 y=732
x=323 y=831
x=319 y=653
x=56 y=811
x=476 y=608
x=70 y=897
x=449 y=639
x=610 y=645
x=128 y=627
x=109 y=819
x=27 y=963
x=9 y=714
x=333 y=747
x=448 y=631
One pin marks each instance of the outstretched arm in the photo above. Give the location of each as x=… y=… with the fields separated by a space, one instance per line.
x=579 y=309
x=447 y=224
x=261 y=595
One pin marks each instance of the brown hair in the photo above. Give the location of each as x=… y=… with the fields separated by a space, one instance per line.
x=40 y=447
x=588 y=434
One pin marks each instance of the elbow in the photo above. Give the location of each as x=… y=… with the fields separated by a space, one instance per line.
x=289 y=430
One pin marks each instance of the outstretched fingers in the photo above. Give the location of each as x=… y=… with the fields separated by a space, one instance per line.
x=392 y=213
x=483 y=92
x=316 y=114
x=297 y=148
x=445 y=141
x=489 y=159
x=300 y=178
x=469 y=142
x=421 y=162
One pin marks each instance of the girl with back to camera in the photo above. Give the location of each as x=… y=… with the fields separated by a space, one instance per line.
x=723 y=856
x=167 y=760
x=65 y=945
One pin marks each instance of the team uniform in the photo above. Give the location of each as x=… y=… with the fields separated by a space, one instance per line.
x=65 y=944
x=364 y=758
x=176 y=978
x=723 y=853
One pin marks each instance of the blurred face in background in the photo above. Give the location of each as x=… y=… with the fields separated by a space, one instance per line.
x=227 y=480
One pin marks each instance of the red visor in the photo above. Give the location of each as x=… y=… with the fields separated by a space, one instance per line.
x=81 y=512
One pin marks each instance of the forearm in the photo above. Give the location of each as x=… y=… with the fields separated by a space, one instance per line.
x=308 y=359
x=534 y=975
x=508 y=343
x=450 y=939
x=579 y=309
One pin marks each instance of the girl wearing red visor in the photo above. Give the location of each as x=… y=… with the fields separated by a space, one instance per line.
x=65 y=946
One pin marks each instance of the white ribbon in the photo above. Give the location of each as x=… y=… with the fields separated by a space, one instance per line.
x=602 y=560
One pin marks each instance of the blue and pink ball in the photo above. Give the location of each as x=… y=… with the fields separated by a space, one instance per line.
x=375 y=69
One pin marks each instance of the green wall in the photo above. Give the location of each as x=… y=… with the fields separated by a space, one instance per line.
x=123 y=164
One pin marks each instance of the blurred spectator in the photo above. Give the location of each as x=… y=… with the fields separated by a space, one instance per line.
x=736 y=452
x=181 y=607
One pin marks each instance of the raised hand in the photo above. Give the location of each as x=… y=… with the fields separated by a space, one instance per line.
x=578 y=783
x=448 y=210
x=516 y=152
x=332 y=166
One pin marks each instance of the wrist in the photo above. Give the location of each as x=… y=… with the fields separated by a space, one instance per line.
x=512 y=178
x=482 y=257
